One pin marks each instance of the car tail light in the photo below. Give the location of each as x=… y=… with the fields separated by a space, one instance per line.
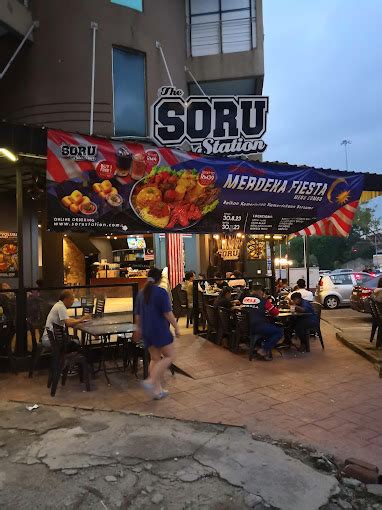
x=321 y=283
x=365 y=291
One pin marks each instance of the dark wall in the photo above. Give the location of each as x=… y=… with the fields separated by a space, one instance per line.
x=49 y=82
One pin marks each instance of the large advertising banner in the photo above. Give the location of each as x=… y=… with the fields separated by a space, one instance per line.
x=106 y=186
x=9 y=264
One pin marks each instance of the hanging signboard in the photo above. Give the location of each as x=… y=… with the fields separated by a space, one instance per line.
x=9 y=265
x=103 y=186
x=215 y=125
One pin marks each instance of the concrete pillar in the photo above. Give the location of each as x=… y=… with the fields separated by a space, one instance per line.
x=52 y=258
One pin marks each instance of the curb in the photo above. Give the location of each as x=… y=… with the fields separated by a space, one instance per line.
x=367 y=355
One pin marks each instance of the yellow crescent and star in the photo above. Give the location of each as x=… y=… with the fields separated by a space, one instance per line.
x=343 y=197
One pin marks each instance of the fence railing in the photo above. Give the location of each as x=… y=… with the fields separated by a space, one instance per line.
x=28 y=308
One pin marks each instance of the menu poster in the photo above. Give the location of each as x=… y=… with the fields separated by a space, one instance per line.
x=107 y=186
x=8 y=255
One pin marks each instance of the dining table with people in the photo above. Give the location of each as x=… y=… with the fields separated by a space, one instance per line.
x=274 y=327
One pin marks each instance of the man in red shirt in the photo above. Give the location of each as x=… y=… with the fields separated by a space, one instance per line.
x=261 y=308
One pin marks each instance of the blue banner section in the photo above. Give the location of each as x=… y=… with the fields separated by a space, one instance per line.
x=102 y=186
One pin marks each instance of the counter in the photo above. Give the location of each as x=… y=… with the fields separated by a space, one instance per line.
x=140 y=280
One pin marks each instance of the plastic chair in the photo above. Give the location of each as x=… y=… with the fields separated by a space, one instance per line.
x=63 y=361
x=180 y=309
x=242 y=331
x=317 y=308
x=226 y=326
x=212 y=323
x=7 y=331
x=99 y=307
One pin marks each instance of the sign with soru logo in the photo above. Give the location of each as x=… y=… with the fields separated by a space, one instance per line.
x=213 y=125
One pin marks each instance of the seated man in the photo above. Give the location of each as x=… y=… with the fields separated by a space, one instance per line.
x=224 y=300
x=59 y=315
x=258 y=308
x=303 y=324
x=301 y=288
x=188 y=286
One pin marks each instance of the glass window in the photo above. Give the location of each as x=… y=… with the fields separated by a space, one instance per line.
x=239 y=87
x=129 y=93
x=133 y=4
x=342 y=279
x=224 y=26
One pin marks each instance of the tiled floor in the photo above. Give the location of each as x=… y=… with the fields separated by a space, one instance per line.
x=331 y=399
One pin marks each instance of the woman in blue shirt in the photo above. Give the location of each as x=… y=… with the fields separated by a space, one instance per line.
x=153 y=316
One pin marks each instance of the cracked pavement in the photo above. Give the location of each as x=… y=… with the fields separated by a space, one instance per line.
x=62 y=457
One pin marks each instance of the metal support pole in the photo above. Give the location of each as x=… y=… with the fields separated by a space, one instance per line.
x=273 y=281
x=21 y=300
x=287 y=257
x=94 y=27
x=195 y=80
x=159 y=46
x=34 y=25
x=307 y=263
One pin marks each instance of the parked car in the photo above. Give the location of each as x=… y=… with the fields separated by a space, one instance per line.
x=340 y=271
x=361 y=293
x=335 y=289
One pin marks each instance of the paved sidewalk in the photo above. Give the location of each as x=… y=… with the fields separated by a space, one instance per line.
x=331 y=399
x=56 y=457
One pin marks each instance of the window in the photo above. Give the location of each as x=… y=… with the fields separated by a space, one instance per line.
x=129 y=93
x=341 y=279
x=221 y=26
x=133 y=4
x=238 y=87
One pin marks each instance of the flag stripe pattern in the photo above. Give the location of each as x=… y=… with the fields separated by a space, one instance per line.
x=175 y=256
x=338 y=224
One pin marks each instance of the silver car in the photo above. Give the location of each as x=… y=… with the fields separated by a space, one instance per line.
x=334 y=290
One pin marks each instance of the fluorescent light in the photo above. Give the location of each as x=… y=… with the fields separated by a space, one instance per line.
x=8 y=154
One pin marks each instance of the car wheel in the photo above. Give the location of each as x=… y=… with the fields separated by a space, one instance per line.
x=331 y=302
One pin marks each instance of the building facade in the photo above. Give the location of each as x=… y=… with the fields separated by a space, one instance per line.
x=120 y=52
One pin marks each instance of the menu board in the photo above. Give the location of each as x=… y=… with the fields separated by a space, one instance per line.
x=8 y=255
x=102 y=186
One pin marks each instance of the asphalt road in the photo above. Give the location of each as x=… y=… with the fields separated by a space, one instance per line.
x=348 y=320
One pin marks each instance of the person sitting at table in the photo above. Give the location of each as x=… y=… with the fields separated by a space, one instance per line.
x=303 y=324
x=224 y=300
x=237 y=280
x=260 y=308
x=301 y=288
x=220 y=282
x=280 y=285
x=188 y=286
x=59 y=315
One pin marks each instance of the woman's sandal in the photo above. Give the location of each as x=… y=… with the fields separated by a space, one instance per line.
x=162 y=394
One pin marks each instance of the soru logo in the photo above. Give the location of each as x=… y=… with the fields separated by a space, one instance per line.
x=79 y=152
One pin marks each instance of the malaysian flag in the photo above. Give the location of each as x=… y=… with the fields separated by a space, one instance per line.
x=175 y=258
x=338 y=224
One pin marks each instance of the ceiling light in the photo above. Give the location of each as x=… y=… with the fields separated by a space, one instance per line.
x=115 y=237
x=39 y=225
x=277 y=236
x=8 y=154
x=107 y=237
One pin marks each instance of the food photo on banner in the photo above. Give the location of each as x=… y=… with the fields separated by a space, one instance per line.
x=101 y=185
x=8 y=255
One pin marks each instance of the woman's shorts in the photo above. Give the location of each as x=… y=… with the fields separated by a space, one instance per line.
x=158 y=342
